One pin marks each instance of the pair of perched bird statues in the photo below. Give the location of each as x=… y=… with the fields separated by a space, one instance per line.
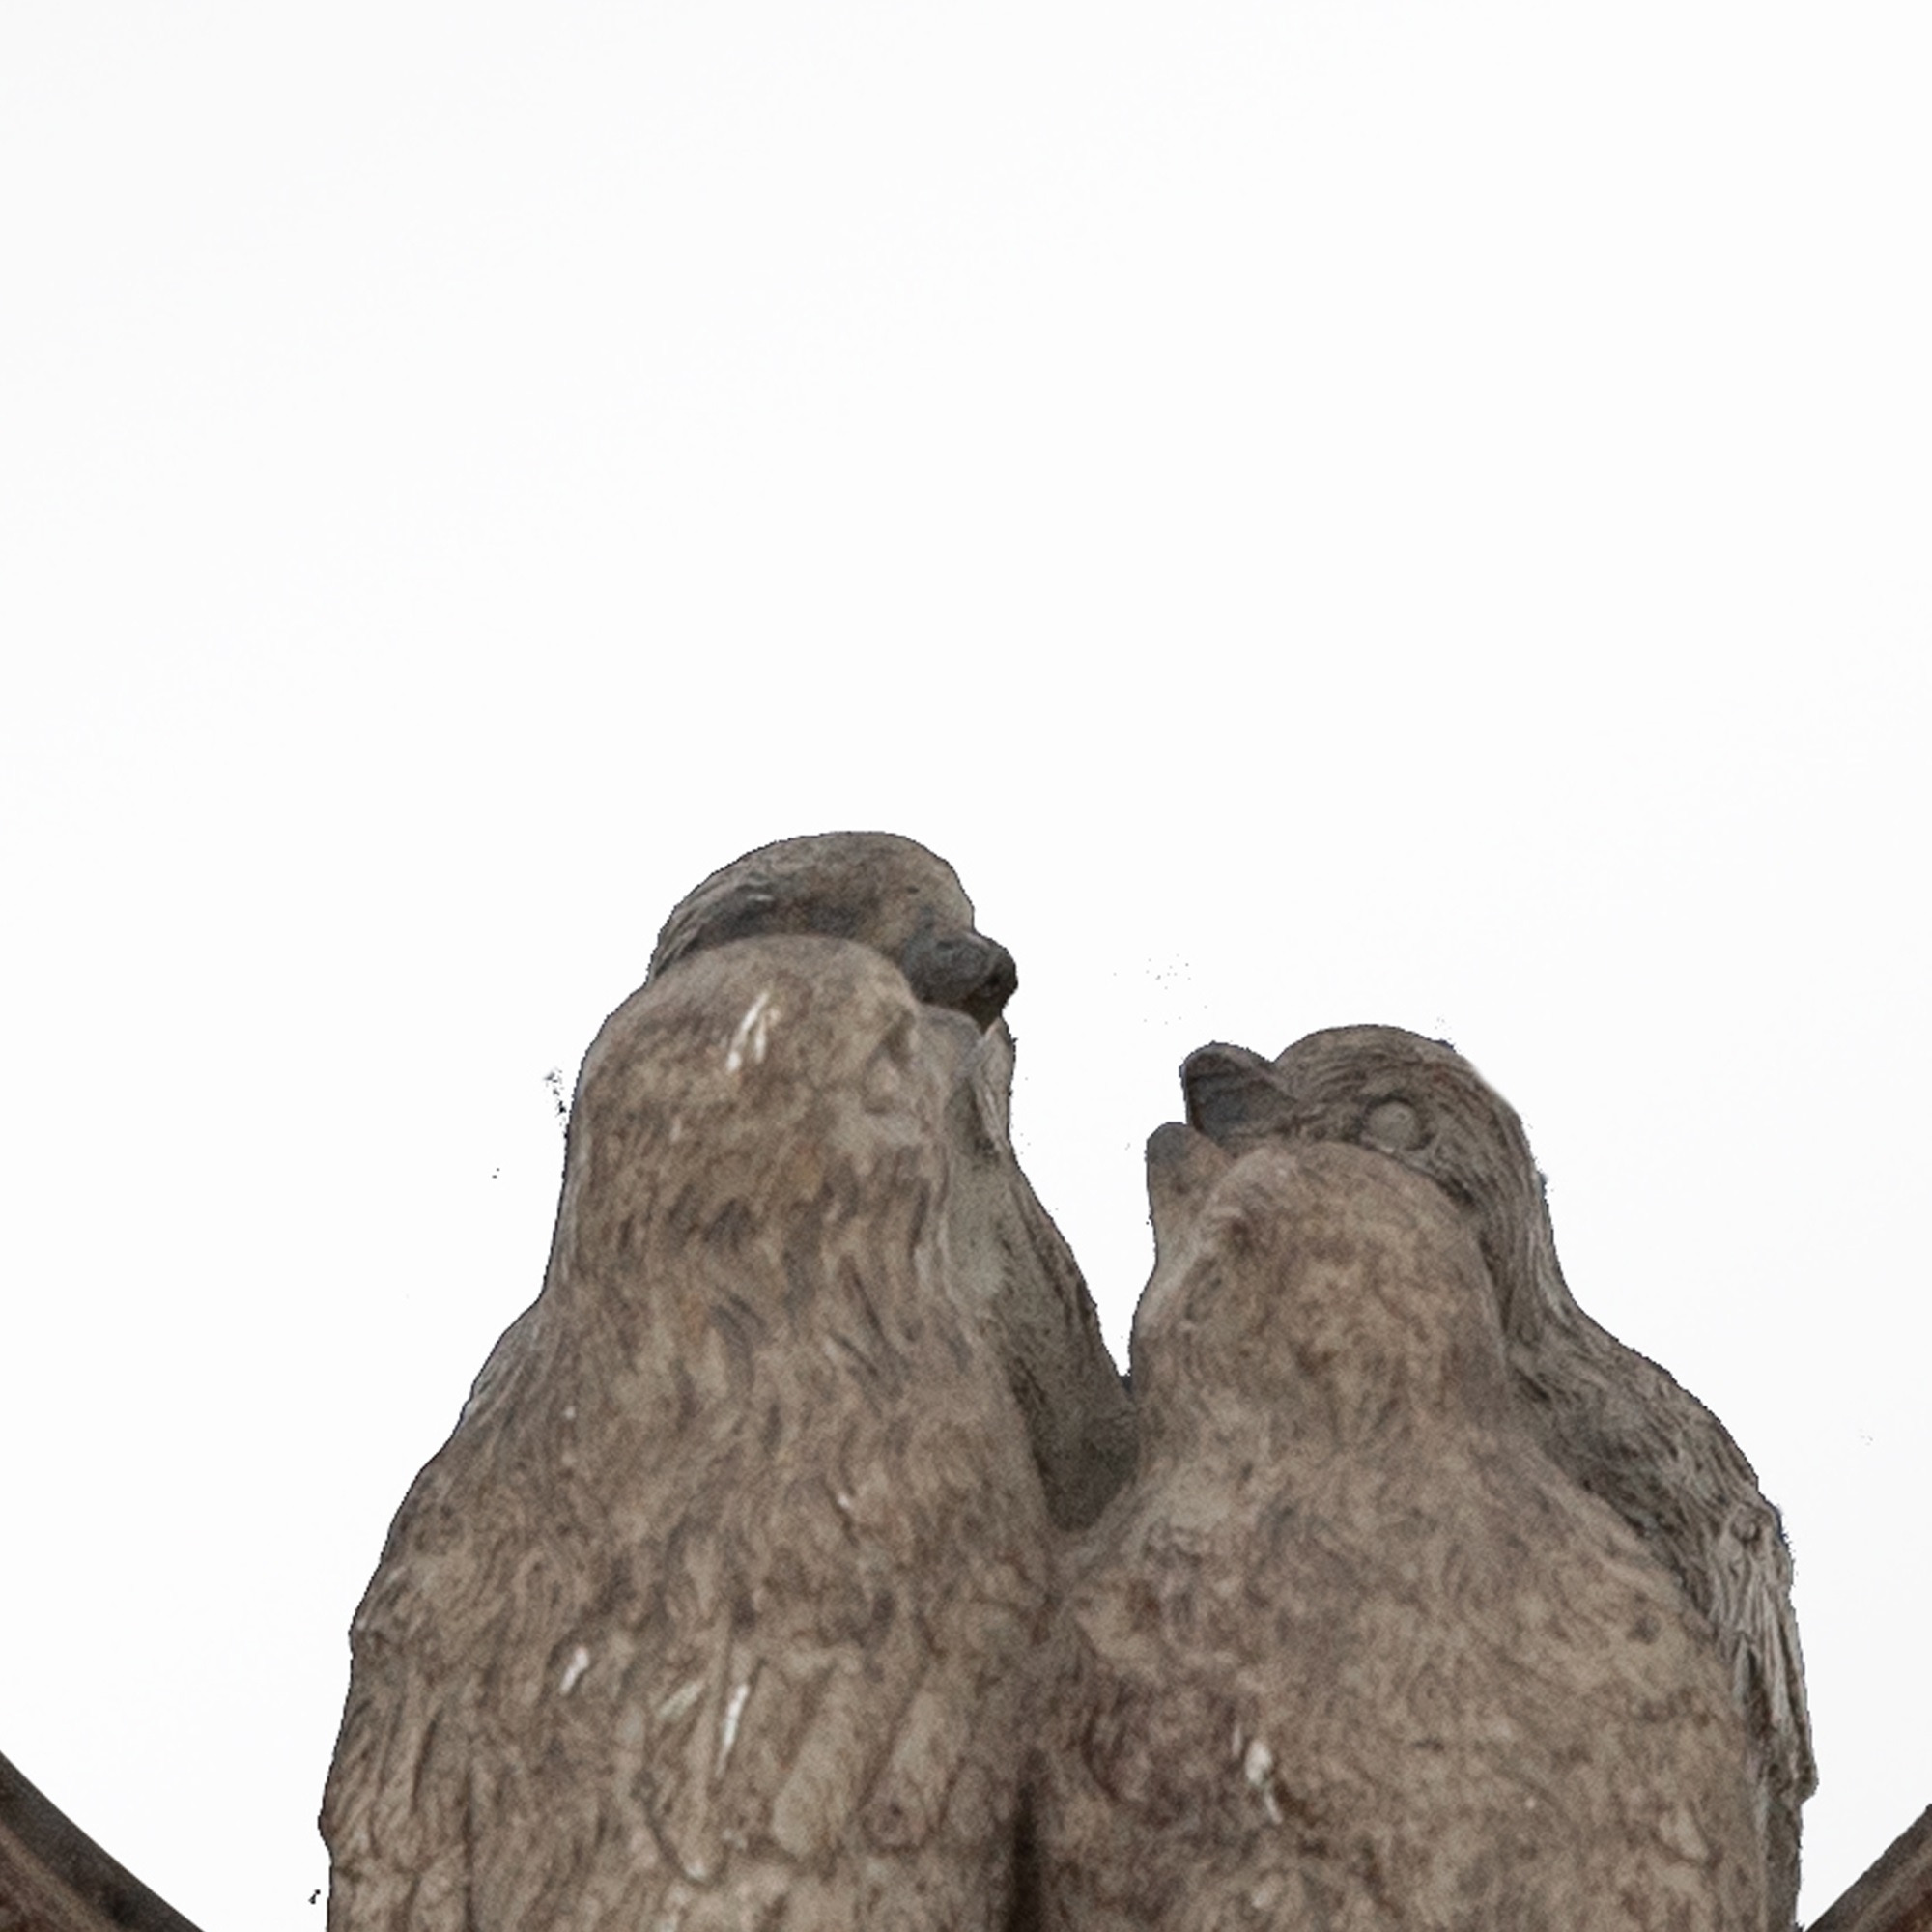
x=800 y=1561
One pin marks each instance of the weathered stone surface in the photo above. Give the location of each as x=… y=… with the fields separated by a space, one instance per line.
x=729 y=1604
x=1353 y=1653
x=723 y=1606
x=1610 y=1418
x=906 y=904
x=54 y=1878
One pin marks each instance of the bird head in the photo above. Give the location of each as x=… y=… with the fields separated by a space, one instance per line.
x=1418 y=1102
x=876 y=888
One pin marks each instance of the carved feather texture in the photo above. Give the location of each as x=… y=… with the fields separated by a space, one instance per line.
x=1612 y=1419
x=1352 y=1653
x=906 y=902
x=721 y=1605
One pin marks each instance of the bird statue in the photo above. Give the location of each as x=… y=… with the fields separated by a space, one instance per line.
x=1614 y=1421
x=892 y=895
x=721 y=1608
x=1352 y=1652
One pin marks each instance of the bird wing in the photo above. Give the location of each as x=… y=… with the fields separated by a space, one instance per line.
x=1630 y=1432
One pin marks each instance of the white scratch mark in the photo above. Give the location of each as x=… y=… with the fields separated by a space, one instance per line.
x=1258 y=1768
x=844 y=1502
x=753 y=1031
x=580 y=1662
x=728 y=1732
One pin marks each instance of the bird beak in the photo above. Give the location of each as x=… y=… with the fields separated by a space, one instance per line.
x=1232 y=1096
x=963 y=970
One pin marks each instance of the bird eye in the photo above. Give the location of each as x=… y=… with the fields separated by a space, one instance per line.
x=1394 y=1127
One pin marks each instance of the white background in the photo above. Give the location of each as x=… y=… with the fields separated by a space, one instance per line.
x=1323 y=512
